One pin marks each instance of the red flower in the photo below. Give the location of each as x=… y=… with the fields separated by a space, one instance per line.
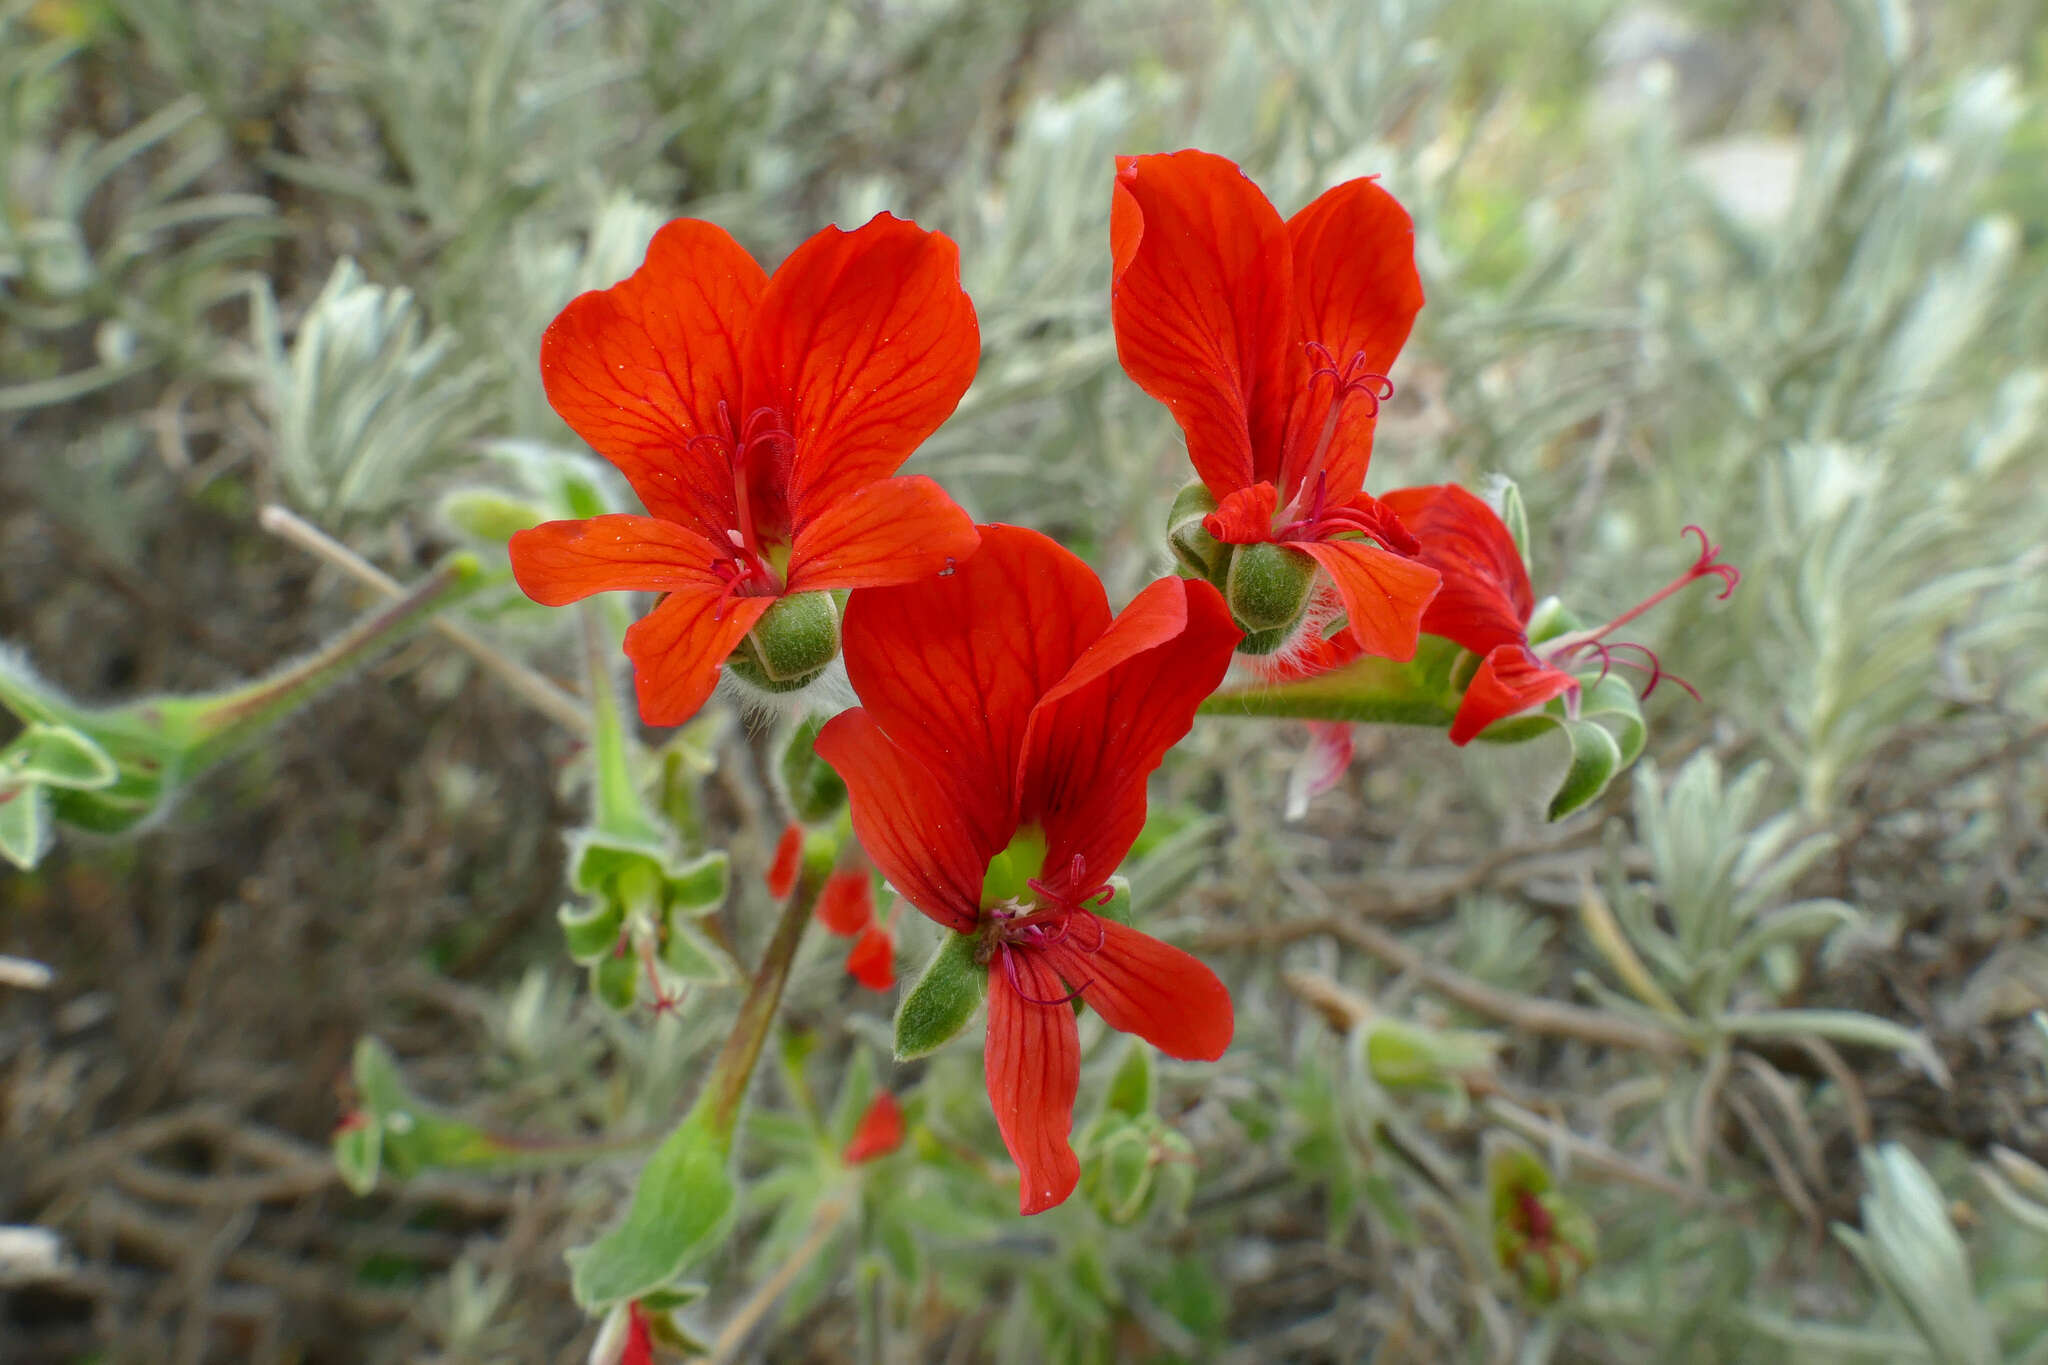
x=788 y=861
x=1486 y=603
x=639 y=1347
x=1005 y=715
x=879 y=1132
x=759 y=419
x=1270 y=341
x=847 y=904
x=872 y=960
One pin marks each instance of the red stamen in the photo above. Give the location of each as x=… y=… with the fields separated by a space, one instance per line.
x=1352 y=379
x=1010 y=971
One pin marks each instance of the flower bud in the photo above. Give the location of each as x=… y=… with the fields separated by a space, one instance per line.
x=792 y=643
x=1196 y=551
x=486 y=514
x=1268 y=586
x=816 y=793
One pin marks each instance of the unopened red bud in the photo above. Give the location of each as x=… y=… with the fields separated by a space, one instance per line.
x=879 y=1132
x=873 y=959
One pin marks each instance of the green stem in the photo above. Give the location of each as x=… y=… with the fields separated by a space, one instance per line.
x=1375 y=690
x=730 y=1074
x=212 y=727
x=617 y=808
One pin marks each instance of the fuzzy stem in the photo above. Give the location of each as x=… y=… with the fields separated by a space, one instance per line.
x=220 y=724
x=734 y=1068
x=535 y=690
x=1376 y=690
x=733 y=1337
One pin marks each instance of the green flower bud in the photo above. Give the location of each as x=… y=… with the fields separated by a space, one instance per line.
x=1197 y=552
x=486 y=514
x=815 y=792
x=1268 y=586
x=791 y=644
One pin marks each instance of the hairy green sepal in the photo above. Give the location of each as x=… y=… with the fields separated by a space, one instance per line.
x=943 y=1000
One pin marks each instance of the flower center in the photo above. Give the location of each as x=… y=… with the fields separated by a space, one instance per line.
x=1565 y=648
x=1047 y=912
x=1351 y=380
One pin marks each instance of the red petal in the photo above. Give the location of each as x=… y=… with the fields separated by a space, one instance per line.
x=879 y=1132
x=872 y=961
x=886 y=533
x=1356 y=293
x=1486 y=598
x=788 y=861
x=1099 y=733
x=677 y=648
x=1384 y=594
x=1245 y=517
x=847 y=904
x=913 y=822
x=1140 y=985
x=1321 y=765
x=950 y=667
x=1509 y=681
x=1199 y=300
x=639 y=1348
x=559 y=562
x=639 y=369
x=1033 y=1059
x=865 y=342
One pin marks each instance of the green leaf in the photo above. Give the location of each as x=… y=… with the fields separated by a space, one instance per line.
x=615 y=979
x=689 y=954
x=1514 y=514
x=1841 y=1026
x=700 y=884
x=943 y=1000
x=1123 y=1169
x=358 y=1152
x=1615 y=702
x=24 y=825
x=59 y=756
x=1596 y=757
x=685 y=1192
x=592 y=930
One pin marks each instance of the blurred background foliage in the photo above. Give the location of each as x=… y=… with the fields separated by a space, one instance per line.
x=1741 y=1064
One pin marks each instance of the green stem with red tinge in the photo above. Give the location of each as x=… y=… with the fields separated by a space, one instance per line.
x=726 y=1089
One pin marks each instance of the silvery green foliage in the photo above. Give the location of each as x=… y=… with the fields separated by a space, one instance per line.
x=367 y=398
x=1910 y=1248
x=142 y=280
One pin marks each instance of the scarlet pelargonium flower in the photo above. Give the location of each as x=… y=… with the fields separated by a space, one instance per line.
x=760 y=421
x=1486 y=603
x=997 y=769
x=879 y=1132
x=1270 y=342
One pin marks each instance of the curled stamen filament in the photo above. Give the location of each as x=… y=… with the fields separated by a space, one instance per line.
x=1010 y=971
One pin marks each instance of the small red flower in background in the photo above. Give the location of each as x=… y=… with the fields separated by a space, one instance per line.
x=879 y=1132
x=1003 y=710
x=639 y=1347
x=847 y=904
x=846 y=907
x=787 y=863
x=1269 y=341
x=760 y=421
x=1486 y=603
x=872 y=960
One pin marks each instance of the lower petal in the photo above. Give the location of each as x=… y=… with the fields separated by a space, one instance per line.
x=894 y=531
x=677 y=648
x=1510 y=681
x=1140 y=985
x=1384 y=594
x=1033 y=1059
